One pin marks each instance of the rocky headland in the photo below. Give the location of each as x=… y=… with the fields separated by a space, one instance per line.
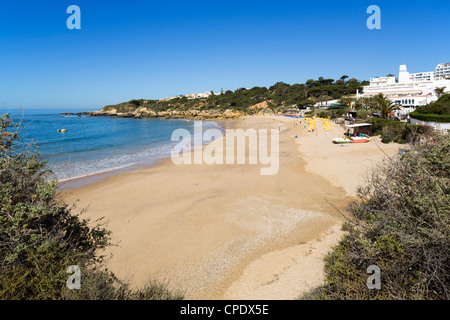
x=130 y=111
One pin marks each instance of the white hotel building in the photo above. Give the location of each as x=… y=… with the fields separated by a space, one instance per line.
x=410 y=90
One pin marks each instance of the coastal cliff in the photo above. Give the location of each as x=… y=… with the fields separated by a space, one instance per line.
x=199 y=112
x=170 y=114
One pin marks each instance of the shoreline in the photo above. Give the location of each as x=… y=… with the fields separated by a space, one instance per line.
x=82 y=181
x=207 y=228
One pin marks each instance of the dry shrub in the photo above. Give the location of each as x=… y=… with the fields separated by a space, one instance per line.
x=401 y=223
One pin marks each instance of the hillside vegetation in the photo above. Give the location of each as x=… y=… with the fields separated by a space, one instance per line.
x=279 y=97
x=438 y=111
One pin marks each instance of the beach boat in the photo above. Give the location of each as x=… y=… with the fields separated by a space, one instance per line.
x=62 y=130
x=342 y=140
x=363 y=138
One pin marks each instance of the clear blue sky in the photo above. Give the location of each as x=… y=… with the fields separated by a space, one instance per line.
x=155 y=49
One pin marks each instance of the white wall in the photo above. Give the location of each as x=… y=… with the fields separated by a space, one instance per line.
x=436 y=125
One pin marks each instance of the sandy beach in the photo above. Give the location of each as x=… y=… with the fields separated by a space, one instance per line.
x=226 y=231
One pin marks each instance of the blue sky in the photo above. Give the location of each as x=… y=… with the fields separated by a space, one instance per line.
x=155 y=49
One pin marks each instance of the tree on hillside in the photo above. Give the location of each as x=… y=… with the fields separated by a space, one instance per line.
x=363 y=103
x=345 y=101
x=440 y=91
x=315 y=92
x=305 y=102
x=377 y=100
x=324 y=98
x=440 y=107
x=326 y=82
x=311 y=83
x=280 y=94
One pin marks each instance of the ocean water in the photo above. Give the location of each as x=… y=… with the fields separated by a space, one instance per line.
x=94 y=145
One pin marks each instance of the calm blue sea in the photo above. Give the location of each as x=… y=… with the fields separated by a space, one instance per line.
x=98 y=144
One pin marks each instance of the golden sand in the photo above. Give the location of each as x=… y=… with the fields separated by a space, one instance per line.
x=225 y=231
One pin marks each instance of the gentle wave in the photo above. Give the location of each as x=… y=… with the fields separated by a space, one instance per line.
x=94 y=145
x=71 y=170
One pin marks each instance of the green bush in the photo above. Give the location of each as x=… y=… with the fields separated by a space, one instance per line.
x=399 y=132
x=103 y=285
x=430 y=117
x=439 y=107
x=362 y=114
x=400 y=223
x=40 y=237
x=438 y=111
x=323 y=114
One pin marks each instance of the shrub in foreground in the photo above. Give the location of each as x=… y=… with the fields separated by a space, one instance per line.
x=40 y=237
x=402 y=225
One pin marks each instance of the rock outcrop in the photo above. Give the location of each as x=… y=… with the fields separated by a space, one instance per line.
x=266 y=111
x=170 y=114
x=259 y=106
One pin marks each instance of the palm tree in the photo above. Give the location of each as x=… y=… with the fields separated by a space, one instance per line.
x=364 y=103
x=323 y=98
x=386 y=107
x=378 y=99
x=439 y=91
x=359 y=104
x=345 y=101
x=373 y=103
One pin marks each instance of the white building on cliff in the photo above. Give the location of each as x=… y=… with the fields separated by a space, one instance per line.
x=410 y=90
x=443 y=71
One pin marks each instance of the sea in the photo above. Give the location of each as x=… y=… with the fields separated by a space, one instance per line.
x=94 y=145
